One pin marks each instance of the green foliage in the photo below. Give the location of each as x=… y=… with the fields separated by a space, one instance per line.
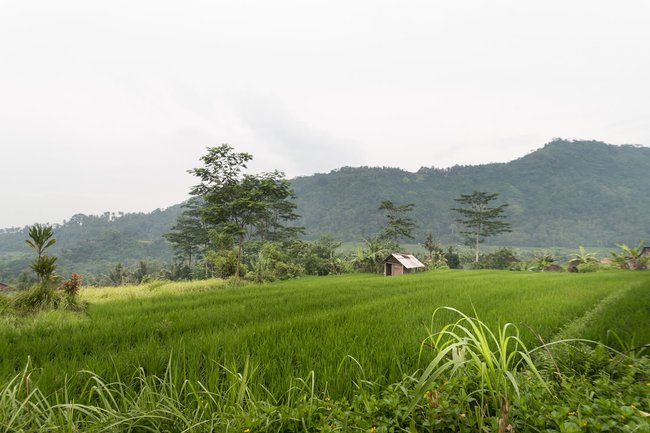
x=40 y=239
x=480 y=220
x=583 y=257
x=44 y=267
x=588 y=267
x=228 y=400
x=543 y=261
x=613 y=204
x=236 y=204
x=118 y=276
x=92 y=244
x=317 y=320
x=223 y=262
x=39 y=297
x=488 y=360
x=629 y=257
x=5 y=304
x=371 y=256
x=452 y=258
x=503 y=258
x=399 y=223
x=190 y=235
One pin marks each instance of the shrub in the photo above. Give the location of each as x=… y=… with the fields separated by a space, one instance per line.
x=71 y=286
x=39 y=297
x=503 y=258
x=588 y=267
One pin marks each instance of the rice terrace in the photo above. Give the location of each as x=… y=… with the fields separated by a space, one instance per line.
x=284 y=356
x=324 y=216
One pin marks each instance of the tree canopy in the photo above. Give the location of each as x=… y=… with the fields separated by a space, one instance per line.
x=480 y=220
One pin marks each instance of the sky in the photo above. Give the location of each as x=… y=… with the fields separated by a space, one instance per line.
x=104 y=106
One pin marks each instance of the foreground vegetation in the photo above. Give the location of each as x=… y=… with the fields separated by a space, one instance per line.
x=324 y=354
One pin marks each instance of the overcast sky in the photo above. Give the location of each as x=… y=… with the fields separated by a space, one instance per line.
x=105 y=105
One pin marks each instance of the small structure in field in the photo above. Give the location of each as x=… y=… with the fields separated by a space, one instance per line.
x=6 y=288
x=401 y=263
x=645 y=252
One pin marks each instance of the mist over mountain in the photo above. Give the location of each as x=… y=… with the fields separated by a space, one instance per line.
x=567 y=193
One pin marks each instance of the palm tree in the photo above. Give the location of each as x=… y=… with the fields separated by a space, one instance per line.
x=40 y=240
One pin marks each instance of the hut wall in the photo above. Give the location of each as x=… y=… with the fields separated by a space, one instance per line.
x=396 y=267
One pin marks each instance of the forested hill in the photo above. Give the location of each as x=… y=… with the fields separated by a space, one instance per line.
x=93 y=244
x=567 y=193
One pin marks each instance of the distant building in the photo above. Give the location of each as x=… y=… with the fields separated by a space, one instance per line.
x=6 y=288
x=402 y=263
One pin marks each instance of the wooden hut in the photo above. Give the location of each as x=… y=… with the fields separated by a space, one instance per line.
x=5 y=288
x=401 y=263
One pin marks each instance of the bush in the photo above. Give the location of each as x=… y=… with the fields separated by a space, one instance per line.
x=503 y=258
x=43 y=297
x=39 y=297
x=588 y=267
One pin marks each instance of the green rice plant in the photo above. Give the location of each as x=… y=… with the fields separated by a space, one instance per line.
x=489 y=361
x=290 y=328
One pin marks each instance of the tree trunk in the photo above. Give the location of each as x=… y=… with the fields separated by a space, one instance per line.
x=476 y=248
x=239 y=253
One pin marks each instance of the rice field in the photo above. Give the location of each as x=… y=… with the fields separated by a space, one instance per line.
x=341 y=328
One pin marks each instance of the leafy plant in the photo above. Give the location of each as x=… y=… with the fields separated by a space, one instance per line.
x=40 y=239
x=542 y=261
x=629 y=257
x=488 y=360
x=582 y=256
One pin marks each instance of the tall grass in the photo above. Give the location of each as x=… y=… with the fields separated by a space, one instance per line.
x=289 y=329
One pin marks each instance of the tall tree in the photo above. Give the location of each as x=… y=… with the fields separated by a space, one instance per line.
x=481 y=221
x=399 y=223
x=238 y=204
x=189 y=236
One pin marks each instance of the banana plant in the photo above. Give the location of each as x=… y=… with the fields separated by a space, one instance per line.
x=629 y=257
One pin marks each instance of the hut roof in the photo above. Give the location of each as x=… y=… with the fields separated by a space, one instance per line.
x=5 y=287
x=407 y=260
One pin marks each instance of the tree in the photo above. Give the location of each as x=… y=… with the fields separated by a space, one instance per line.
x=431 y=245
x=399 y=223
x=40 y=239
x=436 y=258
x=480 y=220
x=189 y=236
x=238 y=204
x=117 y=276
x=630 y=257
x=371 y=257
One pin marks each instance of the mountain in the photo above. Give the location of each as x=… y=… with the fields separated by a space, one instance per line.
x=93 y=244
x=567 y=193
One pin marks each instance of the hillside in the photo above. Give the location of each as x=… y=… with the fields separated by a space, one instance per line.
x=564 y=194
x=567 y=193
x=93 y=244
